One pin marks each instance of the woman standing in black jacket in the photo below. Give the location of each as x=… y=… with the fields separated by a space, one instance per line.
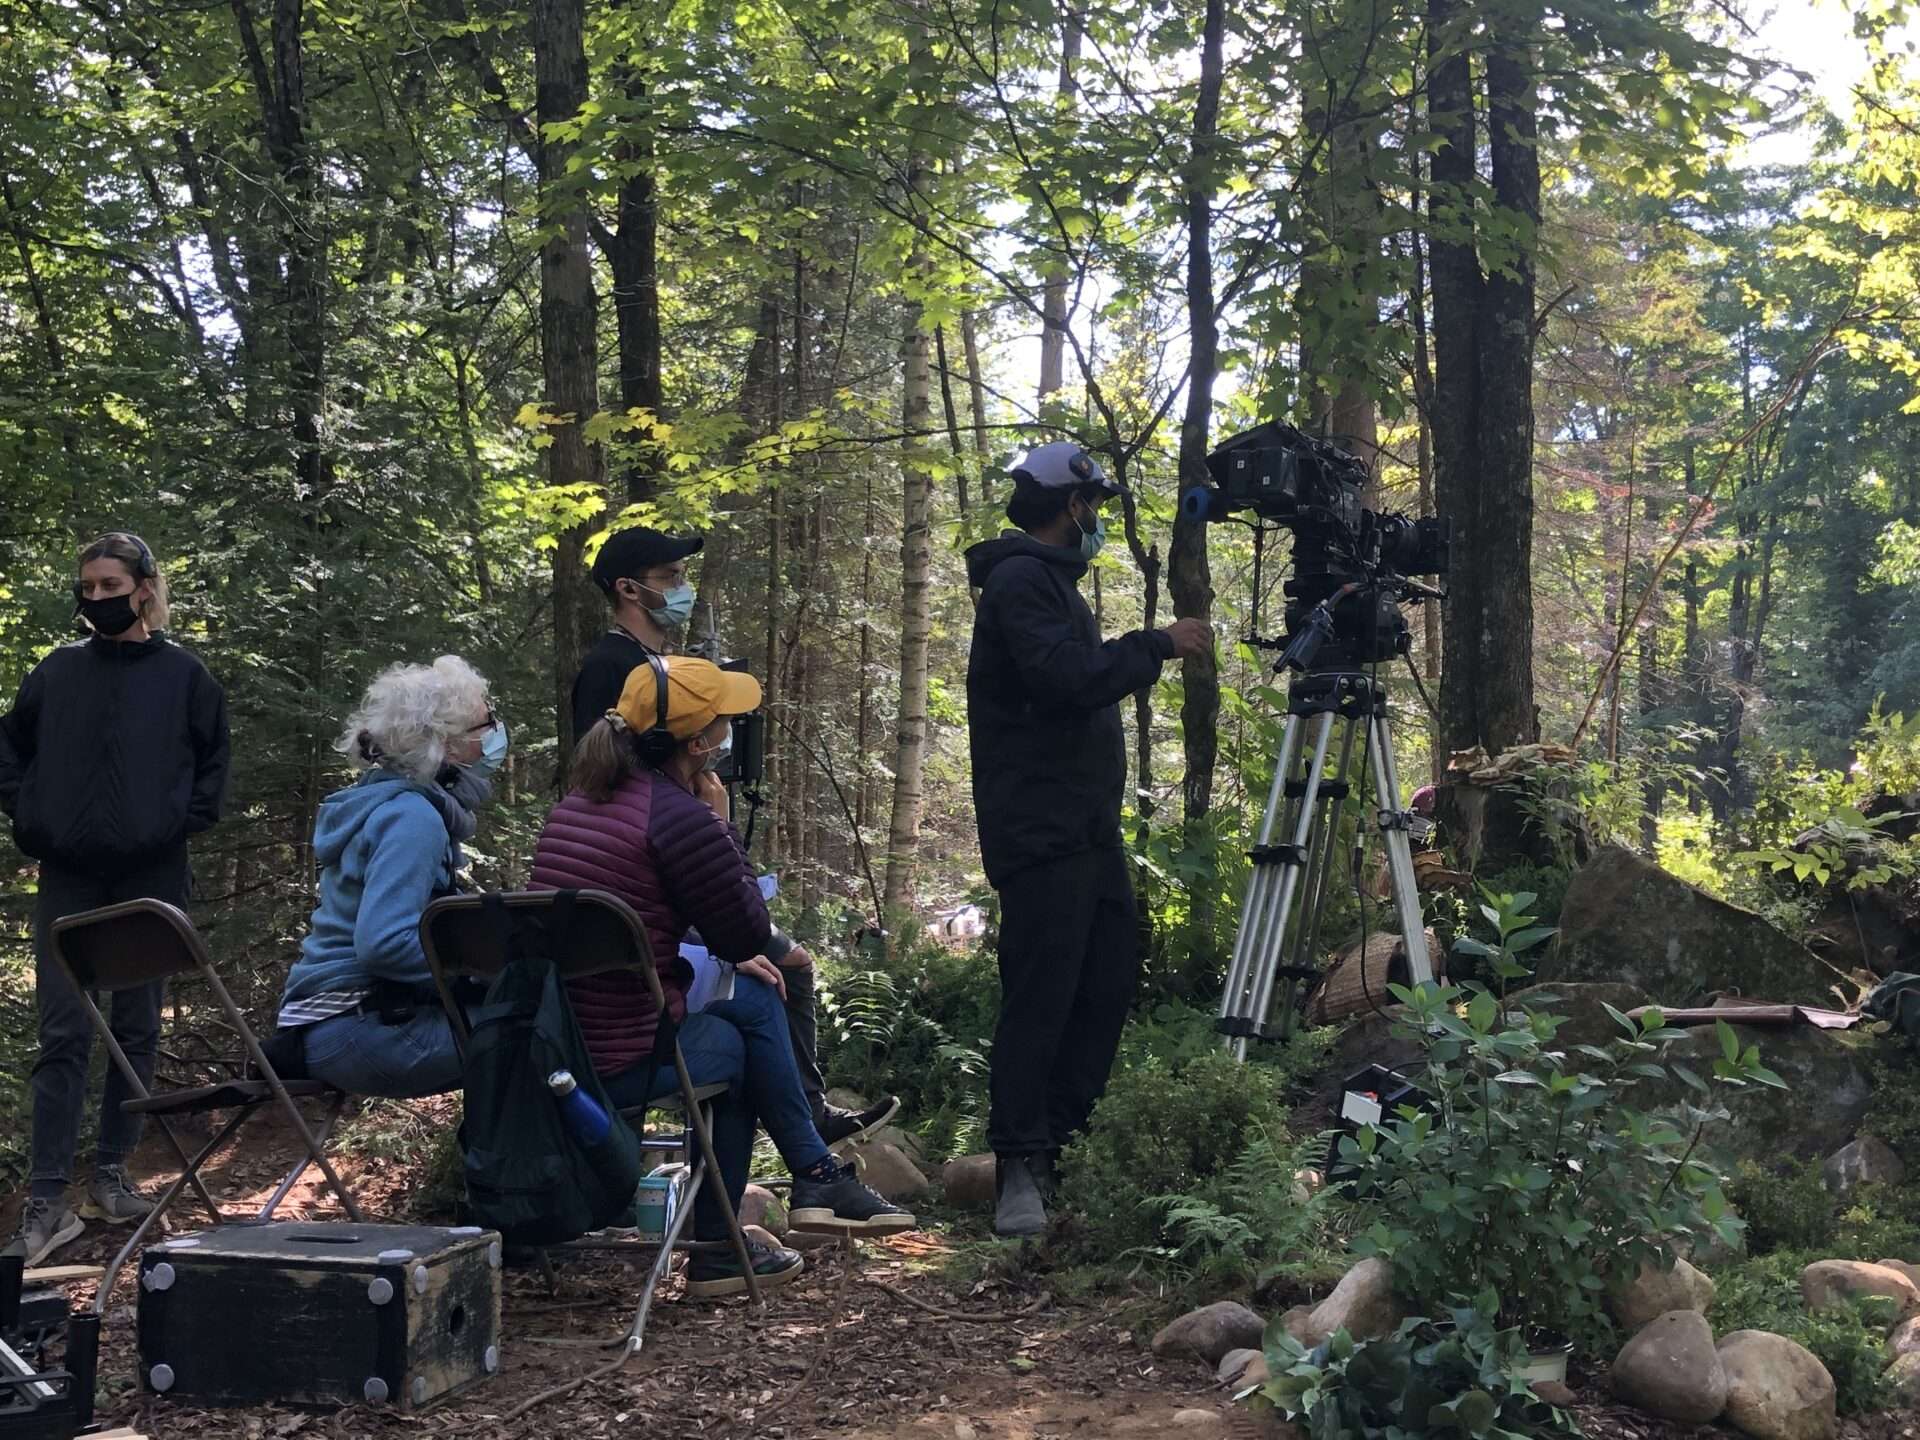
x=114 y=753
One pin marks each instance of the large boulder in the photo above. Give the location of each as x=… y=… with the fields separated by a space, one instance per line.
x=1776 y=1388
x=1863 y=1161
x=1654 y=1292
x=1362 y=1304
x=1826 y=1095
x=1210 y=1332
x=1903 y=1378
x=1583 y=1006
x=1905 y=1339
x=1670 y=1369
x=1827 y=1283
x=1627 y=920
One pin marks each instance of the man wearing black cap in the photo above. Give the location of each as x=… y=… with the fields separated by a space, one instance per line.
x=1049 y=770
x=643 y=573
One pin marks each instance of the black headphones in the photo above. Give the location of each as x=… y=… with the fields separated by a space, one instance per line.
x=656 y=743
x=144 y=570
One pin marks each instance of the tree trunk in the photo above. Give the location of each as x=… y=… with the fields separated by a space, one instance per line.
x=953 y=419
x=1189 y=576
x=633 y=256
x=569 y=342
x=916 y=566
x=976 y=386
x=1483 y=401
x=1053 y=334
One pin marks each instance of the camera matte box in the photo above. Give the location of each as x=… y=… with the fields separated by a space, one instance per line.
x=320 y=1314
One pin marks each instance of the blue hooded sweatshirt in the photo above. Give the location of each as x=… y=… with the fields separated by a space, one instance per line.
x=384 y=853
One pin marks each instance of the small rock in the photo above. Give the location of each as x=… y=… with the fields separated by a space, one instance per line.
x=760 y=1206
x=1865 y=1161
x=1670 y=1369
x=1241 y=1368
x=906 y=1141
x=886 y=1169
x=1828 y=1282
x=1555 y=1392
x=1307 y=1184
x=1905 y=1339
x=1654 y=1292
x=1298 y=1322
x=1211 y=1331
x=1196 y=1419
x=1912 y=1272
x=963 y=1431
x=969 y=1182
x=1776 y=1389
x=1362 y=1304
x=846 y=1099
x=1904 y=1377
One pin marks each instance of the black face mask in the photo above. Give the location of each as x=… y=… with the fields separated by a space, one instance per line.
x=110 y=615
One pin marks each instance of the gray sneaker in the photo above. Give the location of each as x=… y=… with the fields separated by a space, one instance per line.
x=45 y=1225
x=1019 y=1210
x=111 y=1198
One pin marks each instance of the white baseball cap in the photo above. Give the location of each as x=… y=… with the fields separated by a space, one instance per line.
x=1062 y=465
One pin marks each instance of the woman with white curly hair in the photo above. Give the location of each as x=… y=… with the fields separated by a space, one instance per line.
x=360 y=1011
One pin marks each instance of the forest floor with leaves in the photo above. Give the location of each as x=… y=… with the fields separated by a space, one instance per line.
x=838 y=1353
x=845 y=1352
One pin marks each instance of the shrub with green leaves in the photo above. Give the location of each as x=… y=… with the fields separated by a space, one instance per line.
x=1188 y=1158
x=1786 y=1207
x=1850 y=1340
x=1527 y=1176
x=1455 y=1379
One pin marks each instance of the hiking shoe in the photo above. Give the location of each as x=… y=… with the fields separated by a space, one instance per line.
x=111 y=1198
x=45 y=1225
x=843 y=1205
x=717 y=1272
x=843 y=1128
x=1019 y=1210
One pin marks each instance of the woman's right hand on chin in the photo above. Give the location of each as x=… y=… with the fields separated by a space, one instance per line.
x=707 y=787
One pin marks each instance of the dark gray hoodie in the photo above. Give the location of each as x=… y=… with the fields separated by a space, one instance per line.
x=1043 y=697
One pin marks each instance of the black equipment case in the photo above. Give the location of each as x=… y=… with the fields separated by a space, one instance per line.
x=320 y=1314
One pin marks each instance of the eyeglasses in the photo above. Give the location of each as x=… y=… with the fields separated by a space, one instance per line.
x=486 y=724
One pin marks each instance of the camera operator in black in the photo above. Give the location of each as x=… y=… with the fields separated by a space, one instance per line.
x=643 y=573
x=1049 y=771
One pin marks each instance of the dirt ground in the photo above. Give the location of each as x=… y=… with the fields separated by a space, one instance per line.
x=837 y=1354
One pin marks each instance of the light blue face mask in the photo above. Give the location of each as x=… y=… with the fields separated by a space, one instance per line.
x=678 y=608
x=717 y=756
x=1091 y=541
x=493 y=749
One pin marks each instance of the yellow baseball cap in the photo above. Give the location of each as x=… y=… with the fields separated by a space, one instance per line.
x=698 y=693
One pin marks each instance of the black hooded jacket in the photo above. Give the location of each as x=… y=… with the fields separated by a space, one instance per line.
x=1043 y=697
x=113 y=754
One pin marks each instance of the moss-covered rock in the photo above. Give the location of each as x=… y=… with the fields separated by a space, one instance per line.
x=1627 y=921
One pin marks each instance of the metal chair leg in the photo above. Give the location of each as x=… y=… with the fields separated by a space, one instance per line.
x=160 y=1206
x=300 y=1166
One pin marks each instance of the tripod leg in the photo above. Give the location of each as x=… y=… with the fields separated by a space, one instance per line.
x=1320 y=872
x=1393 y=828
x=1262 y=878
x=1268 y=960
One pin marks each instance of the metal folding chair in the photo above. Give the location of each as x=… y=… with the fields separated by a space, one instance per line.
x=464 y=941
x=138 y=942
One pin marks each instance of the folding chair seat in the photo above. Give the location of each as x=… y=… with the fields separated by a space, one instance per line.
x=138 y=942
x=464 y=939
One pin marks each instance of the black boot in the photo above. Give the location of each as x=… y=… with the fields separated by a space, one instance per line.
x=1019 y=1208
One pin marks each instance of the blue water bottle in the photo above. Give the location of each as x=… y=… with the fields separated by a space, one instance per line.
x=582 y=1113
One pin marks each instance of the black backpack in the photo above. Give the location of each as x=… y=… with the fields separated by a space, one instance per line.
x=528 y=1175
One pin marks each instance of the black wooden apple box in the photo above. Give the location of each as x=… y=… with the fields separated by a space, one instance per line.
x=320 y=1314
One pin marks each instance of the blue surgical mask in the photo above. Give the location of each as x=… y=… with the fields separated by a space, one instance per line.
x=678 y=608
x=1092 y=540
x=493 y=749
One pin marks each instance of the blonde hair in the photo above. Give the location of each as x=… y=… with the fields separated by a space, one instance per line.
x=131 y=551
x=602 y=758
x=410 y=712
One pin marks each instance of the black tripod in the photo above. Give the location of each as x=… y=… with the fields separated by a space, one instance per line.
x=1293 y=857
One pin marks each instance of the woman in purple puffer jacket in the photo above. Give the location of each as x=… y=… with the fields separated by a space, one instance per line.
x=645 y=820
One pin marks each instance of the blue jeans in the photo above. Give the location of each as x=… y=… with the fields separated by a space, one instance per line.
x=359 y=1054
x=742 y=1042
